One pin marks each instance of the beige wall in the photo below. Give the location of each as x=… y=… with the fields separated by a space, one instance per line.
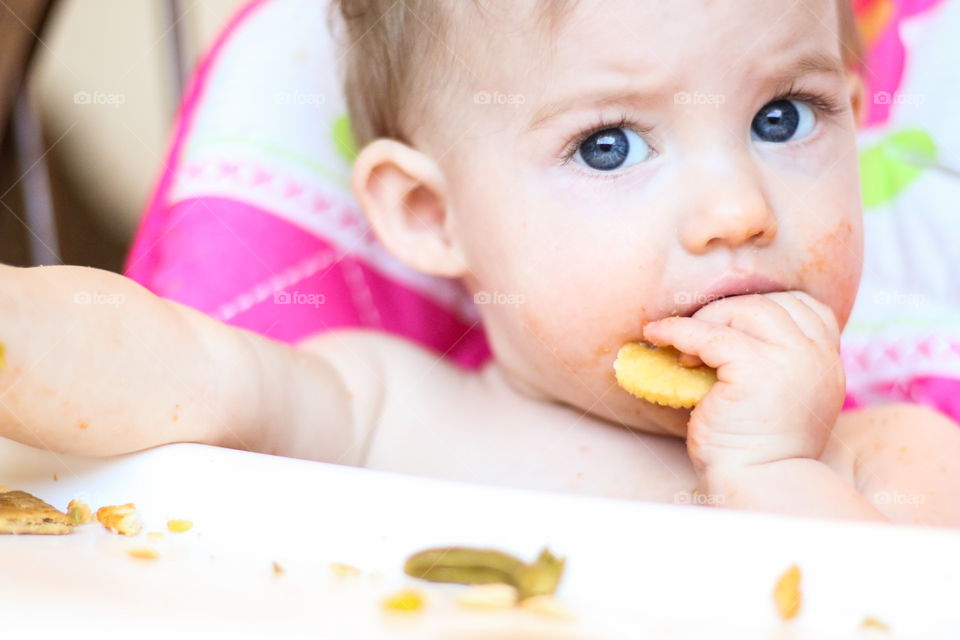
x=104 y=84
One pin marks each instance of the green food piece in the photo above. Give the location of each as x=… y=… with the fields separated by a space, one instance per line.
x=540 y=578
x=466 y=565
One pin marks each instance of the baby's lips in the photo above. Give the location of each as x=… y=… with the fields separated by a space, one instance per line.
x=728 y=286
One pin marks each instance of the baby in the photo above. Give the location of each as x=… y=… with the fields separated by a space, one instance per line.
x=679 y=173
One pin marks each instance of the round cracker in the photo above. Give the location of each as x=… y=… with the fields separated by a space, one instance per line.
x=656 y=375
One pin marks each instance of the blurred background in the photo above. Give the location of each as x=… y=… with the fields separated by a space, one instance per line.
x=91 y=74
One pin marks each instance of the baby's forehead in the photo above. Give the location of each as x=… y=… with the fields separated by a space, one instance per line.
x=516 y=43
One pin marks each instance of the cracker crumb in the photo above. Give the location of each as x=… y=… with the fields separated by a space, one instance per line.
x=786 y=593
x=179 y=526
x=144 y=553
x=277 y=569
x=122 y=519
x=407 y=600
x=873 y=623
x=344 y=570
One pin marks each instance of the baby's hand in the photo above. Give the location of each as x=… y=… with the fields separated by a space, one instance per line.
x=780 y=383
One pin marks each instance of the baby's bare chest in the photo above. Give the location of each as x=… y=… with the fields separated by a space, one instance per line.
x=491 y=435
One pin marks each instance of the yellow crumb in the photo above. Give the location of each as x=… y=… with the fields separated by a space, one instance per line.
x=404 y=601
x=277 y=569
x=786 y=593
x=344 y=570
x=156 y=535
x=141 y=552
x=179 y=526
x=872 y=623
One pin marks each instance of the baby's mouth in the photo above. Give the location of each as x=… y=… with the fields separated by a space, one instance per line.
x=729 y=285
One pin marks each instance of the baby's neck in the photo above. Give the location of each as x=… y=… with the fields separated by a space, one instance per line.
x=672 y=424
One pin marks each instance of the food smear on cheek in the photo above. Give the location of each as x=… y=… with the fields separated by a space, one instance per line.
x=829 y=264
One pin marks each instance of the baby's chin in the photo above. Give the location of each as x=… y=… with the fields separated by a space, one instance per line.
x=642 y=416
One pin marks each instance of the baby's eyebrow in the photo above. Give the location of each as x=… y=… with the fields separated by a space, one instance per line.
x=814 y=62
x=778 y=74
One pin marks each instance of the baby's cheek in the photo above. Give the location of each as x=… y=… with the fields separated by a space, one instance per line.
x=583 y=332
x=831 y=269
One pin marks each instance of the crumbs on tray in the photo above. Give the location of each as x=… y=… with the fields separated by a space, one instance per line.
x=122 y=519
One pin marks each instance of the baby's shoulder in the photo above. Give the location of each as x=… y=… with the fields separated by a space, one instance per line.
x=902 y=457
x=393 y=362
x=880 y=427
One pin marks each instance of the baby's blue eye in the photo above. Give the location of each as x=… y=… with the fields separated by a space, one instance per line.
x=610 y=149
x=783 y=121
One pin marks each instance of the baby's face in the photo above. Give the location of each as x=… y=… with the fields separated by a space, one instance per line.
x=658 y=151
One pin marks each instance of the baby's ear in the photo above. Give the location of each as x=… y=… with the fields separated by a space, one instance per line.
x=857 y=97
x=404 y=195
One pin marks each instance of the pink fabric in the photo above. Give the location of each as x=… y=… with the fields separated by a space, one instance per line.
x=251 y=269
x=155 y=221
x=935 y=392
x=887 y=56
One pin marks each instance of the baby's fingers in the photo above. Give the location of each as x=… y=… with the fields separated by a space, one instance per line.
x=715 y=344
x=814 y=318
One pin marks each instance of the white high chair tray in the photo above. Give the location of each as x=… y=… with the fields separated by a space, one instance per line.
x=633 y=570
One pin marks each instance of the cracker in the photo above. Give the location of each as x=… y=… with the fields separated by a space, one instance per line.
x=21 y=512
x=656 y=375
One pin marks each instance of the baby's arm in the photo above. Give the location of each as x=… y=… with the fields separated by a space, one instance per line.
x=94 y=364
x=902 y=461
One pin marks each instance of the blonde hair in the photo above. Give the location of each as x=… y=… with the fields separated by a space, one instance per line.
x=387 y=45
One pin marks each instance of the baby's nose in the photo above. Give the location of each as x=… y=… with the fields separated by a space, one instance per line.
x=728 y=207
